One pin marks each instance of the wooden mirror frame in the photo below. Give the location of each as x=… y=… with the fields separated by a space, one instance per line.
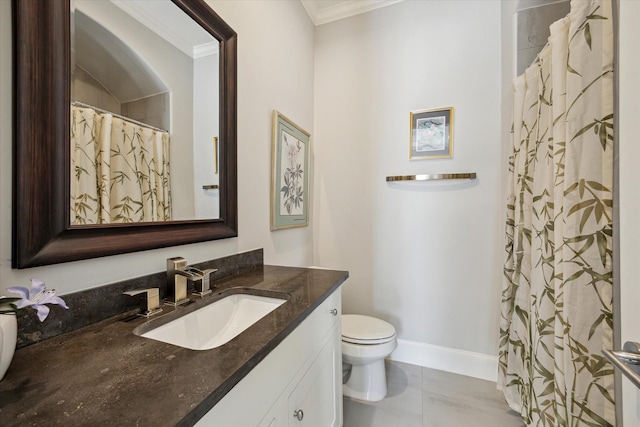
x=42 y=233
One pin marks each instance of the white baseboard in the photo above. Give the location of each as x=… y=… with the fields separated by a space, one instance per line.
x=469 y=363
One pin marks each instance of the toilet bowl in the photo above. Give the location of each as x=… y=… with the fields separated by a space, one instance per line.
x=366 y=341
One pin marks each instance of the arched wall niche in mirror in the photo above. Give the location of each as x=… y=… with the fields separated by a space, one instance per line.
x=42 y=230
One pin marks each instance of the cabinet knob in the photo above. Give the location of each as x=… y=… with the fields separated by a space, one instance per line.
x=334 y=312
x=298 y=414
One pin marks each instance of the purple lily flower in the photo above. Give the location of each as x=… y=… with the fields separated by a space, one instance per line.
x=37 y=297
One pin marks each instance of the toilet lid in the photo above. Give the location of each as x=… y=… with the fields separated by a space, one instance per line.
x=359 y=329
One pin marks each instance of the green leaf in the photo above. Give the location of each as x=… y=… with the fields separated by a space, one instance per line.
x=571 y=70
x=571 y=188
x=584 y=349
x=577 y=239
x=596 y=17
x=575 y=275
x=584 y=248
x=599 y=212
x=603 y=137
x=597 y=186
x=585 y=216
x=603 y=373
x=513 y=382
x=602 y=247
x=583 y=130
x=595 y=325
x=580 y=205
x=587 y=35
x=523 y=315
x=599 y=421
x=547 y=390
x=604 y=392
x=557 y=119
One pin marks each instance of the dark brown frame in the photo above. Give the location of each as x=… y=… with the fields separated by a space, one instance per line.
x=42 y=233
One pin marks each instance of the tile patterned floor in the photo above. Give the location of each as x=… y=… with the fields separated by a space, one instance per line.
x=423 y=397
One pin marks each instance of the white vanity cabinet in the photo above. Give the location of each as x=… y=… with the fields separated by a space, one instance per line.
x=317 y=399
x=298 y=384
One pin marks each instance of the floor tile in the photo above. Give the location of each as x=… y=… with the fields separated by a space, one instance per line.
x=402 y=410
x=402 y=375
x=446 y=411
x=473 y=391
x=422 y=397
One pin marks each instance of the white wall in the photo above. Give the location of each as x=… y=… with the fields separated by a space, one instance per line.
x=426 y=257
x=275 y=71
x=205 y=110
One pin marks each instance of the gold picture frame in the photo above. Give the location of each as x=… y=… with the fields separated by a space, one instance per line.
x=289 y=174
x=431 y=134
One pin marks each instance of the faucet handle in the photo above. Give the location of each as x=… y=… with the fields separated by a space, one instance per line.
x=149 y=305
x=203 y=287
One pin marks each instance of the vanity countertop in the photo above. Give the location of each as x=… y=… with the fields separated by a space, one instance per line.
x=105 y=375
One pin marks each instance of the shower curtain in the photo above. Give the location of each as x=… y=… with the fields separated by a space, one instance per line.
x=119 y=170
x=556 y=313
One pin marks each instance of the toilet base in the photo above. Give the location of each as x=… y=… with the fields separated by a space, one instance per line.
x=367 y=382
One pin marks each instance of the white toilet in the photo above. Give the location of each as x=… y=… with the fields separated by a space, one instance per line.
x=366 y=341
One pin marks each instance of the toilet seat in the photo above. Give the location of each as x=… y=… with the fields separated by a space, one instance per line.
x=366 y=330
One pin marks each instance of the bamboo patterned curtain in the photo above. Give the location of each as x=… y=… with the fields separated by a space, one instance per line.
x=119 y=170
x=556 y=312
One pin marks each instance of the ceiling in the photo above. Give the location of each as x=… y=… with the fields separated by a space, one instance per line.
x=325 y=11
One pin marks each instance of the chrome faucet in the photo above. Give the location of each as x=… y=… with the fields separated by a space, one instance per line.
x=150 y=305
x=177 y=281
x=178 y=274
x=202 y=287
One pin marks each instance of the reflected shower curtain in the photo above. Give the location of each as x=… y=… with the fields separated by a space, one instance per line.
x=556 y=313
x=119 y=170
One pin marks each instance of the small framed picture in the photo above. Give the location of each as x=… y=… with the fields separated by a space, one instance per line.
x=289 y=174
x=431 y=134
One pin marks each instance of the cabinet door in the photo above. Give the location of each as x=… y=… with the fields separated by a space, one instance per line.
x=277 y=415
x=317 y=401
x=326 y=315
x=251 y=398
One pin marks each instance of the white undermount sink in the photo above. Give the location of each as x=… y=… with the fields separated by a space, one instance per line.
x=215 y=324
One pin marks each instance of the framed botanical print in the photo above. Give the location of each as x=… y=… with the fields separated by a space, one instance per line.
x=290 y=174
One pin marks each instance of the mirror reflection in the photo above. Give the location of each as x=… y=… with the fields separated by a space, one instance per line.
x=144 y=114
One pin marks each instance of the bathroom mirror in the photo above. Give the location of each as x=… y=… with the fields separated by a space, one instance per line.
x=42 y=230
x=144 y=113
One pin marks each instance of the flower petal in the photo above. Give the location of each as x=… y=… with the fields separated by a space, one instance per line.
x=23 y=292
x=59 y=301
x=43 y=311
x=37 y=286
x=24 y=303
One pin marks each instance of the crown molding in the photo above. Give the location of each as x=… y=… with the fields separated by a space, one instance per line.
x=174 y=28
x=343 y=9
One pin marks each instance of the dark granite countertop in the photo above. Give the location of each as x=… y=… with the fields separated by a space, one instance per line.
x=105 y=375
